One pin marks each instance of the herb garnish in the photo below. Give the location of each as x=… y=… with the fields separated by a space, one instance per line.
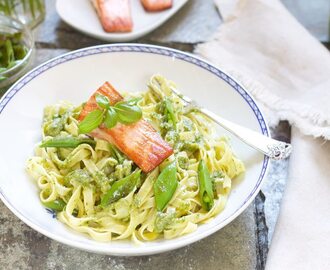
x=125 y=112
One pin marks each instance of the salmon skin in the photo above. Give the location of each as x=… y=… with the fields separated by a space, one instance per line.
x=156 y=5
x=139 y=141
x=115 y=15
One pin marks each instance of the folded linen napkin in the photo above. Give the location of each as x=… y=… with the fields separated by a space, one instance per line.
x=286 y=68
x=301 y=238
x=288 y=72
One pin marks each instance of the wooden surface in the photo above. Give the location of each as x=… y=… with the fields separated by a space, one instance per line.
x=243 y=244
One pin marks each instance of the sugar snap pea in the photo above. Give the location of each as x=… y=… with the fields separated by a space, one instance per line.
x=121 y=188
x=205 y=186
x=66 y=142
x=170 y=111
x=56 y=205
x=116 y=153
x=165 y=186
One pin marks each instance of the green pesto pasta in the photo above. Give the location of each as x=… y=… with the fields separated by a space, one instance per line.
x=76 y=179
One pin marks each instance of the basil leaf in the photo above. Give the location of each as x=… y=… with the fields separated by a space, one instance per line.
x=102 y=101
x=128 y=114
x=111 y=118
x=91 y=121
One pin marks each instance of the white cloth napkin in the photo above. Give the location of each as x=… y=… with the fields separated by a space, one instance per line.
x=286 y=68
x=302 y=234
x=288 y=71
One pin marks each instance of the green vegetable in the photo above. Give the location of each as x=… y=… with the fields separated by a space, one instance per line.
x=55 y=126
x=170 y=111
x=91 y=121
x=12 y=50
x=32 y=3
x=66 y=142
x=79 y=175
x=19 y=51
x=111 y=118
x=128 y=113
x=165 y=186
x=56 y=205
x=102 y=101
x=13 y=7
x=205 y=186
x=121 y=188
x=183 y=160
x=164 y=221
x=116 y=153
x=8 y=54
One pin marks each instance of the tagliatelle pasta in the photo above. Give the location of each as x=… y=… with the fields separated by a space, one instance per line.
x=73 y=181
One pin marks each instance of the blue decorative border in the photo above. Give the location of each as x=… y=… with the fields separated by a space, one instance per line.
x=152 y=50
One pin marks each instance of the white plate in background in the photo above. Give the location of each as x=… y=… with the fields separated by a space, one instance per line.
x=81 y=15
x=73 y=77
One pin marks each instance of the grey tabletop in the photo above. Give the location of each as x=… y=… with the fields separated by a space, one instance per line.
x=243 y=244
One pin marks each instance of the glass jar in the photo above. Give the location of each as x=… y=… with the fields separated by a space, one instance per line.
x=29 y=12
x=10 y=26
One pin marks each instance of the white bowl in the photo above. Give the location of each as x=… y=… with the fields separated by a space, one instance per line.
x=74 y=76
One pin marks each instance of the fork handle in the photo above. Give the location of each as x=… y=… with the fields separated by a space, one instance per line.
x=272 y=148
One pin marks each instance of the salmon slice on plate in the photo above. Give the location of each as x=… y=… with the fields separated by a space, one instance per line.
x=115 y=15
x=156 y=5
x=139 y=141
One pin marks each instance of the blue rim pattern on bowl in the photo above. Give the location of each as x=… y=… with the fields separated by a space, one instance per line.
x=141 y=48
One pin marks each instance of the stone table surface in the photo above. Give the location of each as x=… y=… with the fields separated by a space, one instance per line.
x=243 y=244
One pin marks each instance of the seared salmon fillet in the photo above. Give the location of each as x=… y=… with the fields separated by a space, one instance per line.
x=115 y=15
x=139 y=141
x=156 y=5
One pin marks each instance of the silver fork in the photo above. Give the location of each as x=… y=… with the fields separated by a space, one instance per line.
x=270 y=147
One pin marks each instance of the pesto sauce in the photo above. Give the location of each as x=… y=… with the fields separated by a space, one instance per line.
x=56 y=123
x=183 y=160
x=171 y=134
x=81 y=176
x=163 y=221
x=101 y=181
x=184 y=206
x=172 y=137
x=122 y=170
x=54 y=127
x=187 y=124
